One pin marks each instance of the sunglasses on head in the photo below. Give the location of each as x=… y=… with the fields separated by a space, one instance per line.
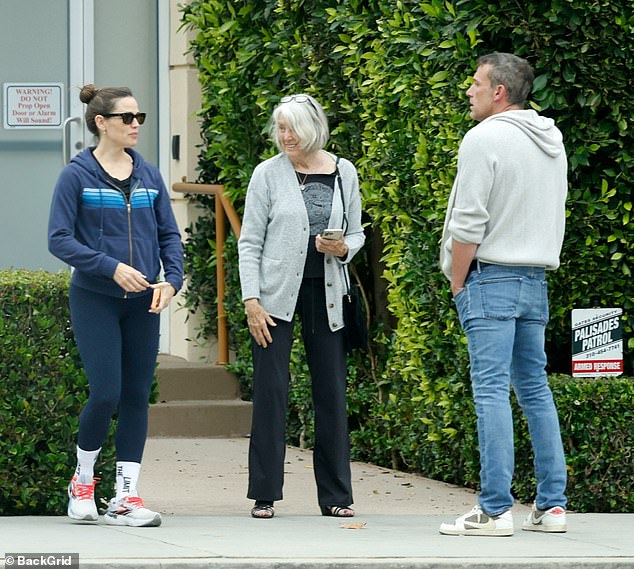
x=298 y=99
x=127 y=118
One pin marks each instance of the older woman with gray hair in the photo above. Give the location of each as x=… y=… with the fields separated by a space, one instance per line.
x=301 y=228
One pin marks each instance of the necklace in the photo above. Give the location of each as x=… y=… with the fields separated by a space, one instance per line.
x=302 y=183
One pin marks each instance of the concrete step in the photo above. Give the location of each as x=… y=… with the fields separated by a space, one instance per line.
x=197 y=400
x=222 y=419
x=186 y=381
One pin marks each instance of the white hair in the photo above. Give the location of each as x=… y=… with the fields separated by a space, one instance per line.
x=306 y=119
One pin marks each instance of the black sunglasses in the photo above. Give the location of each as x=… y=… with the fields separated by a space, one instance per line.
x=127 y=118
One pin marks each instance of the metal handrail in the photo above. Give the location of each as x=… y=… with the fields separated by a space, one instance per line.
x=223 y=207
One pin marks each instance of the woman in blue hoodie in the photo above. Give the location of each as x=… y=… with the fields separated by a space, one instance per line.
x=111 y=219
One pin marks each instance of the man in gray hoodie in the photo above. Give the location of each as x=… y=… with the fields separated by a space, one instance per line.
x=503 y=229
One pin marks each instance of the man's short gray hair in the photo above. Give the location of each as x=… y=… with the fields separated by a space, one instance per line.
x=515 y=73
x=305 y=117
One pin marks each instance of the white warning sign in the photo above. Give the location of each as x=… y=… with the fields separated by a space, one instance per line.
x=33 y=105
x=597 y=342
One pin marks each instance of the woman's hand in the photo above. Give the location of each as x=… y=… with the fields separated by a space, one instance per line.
x=259 y=321
x=129 y=279
x=338 y=247
x=163 y=293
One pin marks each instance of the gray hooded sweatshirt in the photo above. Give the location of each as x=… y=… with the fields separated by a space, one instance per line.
x=509 y=193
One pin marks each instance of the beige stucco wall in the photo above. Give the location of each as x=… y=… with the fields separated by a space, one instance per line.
x=184 y=102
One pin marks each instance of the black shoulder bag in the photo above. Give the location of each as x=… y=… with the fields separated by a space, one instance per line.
x=355 y=330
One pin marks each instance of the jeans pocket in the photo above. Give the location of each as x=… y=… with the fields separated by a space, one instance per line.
x=500 y=297
x=461 y=301
x=460 y=293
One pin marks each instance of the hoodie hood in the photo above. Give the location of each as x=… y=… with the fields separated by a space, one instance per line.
x=541 y=130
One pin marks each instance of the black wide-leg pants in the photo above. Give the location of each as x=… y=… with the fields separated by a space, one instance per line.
x=326 y=356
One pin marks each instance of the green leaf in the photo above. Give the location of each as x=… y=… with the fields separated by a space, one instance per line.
x=540 y=82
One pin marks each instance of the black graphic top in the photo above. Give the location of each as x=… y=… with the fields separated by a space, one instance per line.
x=317 y=192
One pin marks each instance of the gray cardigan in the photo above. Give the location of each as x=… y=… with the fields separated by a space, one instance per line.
x=274 y=239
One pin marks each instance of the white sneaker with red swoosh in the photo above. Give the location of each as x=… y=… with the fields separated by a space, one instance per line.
x=130 y=511
x=552 y=520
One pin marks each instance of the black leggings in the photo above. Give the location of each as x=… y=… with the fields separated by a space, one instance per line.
x=118 y=344
x=326 y=357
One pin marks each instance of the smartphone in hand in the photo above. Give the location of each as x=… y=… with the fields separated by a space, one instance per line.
x=156 y=299
x=333 y=234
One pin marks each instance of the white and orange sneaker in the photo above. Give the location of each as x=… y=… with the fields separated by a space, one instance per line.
x=552 y=520
x=81 y=501
x=130 y=511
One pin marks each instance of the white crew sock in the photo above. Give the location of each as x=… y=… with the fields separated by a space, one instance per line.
x=85 y=470
x=127 y=478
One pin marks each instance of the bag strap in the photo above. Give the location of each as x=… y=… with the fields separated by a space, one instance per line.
x=344 y=222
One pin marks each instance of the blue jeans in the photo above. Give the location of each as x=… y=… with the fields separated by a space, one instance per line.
x=503 y=311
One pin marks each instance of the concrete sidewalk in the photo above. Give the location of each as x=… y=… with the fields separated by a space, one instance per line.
x=209 y=477
x=199 y=486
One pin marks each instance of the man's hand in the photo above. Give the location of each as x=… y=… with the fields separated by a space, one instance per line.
x=456 y=288
x=259 y=321
x=461 y=256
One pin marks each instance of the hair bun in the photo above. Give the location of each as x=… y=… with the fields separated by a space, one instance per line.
x=87 y=93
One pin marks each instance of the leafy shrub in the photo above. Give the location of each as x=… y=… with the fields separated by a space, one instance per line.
x=596 y=417
x=392 y=75
x=42 y=391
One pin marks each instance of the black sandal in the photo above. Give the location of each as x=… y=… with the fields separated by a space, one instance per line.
x=337 y=511
x=263 y=510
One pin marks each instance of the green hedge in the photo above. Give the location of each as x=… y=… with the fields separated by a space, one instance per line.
x=596 y=421
x=392 y=76
x=42 y=390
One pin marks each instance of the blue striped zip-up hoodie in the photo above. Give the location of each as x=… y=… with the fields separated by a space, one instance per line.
x=93 y=228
